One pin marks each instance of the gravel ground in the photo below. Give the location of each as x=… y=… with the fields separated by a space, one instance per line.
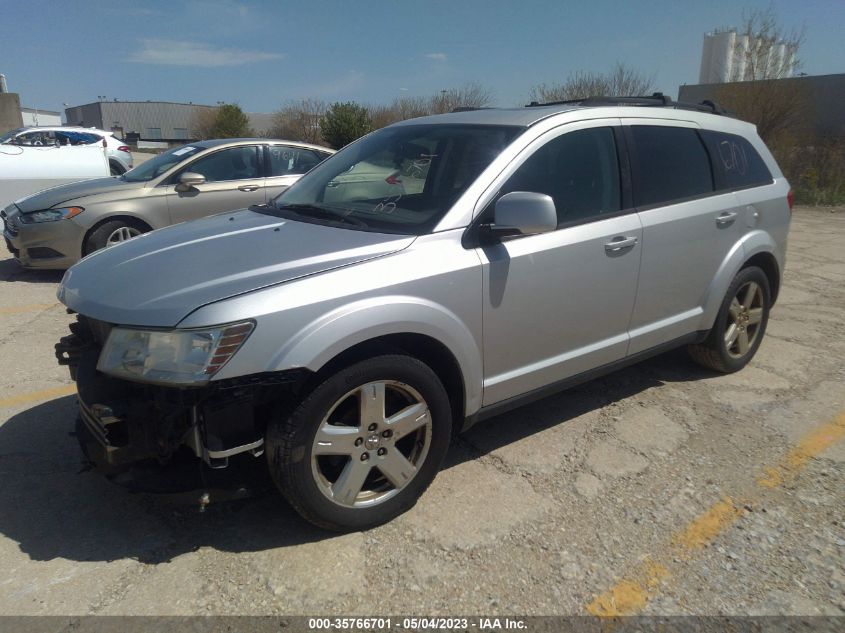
x=648 y=486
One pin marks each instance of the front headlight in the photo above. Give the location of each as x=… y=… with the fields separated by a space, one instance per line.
x=50 y=215
x=182 y=357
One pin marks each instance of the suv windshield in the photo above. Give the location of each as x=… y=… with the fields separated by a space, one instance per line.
x=398 y=180
x=163 y=162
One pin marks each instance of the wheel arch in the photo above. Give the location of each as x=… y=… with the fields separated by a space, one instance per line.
x=126 y=217
x=757 y=248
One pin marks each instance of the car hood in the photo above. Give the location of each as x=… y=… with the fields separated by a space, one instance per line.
x=159 y=278
x=49 y=198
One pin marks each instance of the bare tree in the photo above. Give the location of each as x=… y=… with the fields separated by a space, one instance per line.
x=401 y=109
x=763 y=49
x=470 y=95
x=621 y=81
x=202 y=123
x=299 y=121
x=765 y=55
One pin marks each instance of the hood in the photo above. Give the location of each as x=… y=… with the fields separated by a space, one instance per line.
x=159 y=278
x=49 y=198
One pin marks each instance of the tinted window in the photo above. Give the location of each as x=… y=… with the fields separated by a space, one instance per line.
x=736 y=163
x=286 y=160
x=161 y=163
x=671 y=164
x=235 y=163
x=579 y=170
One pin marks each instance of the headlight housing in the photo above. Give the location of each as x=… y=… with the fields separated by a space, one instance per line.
x=50 y=215
x=181 y=357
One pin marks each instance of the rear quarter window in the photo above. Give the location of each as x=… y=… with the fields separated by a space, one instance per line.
x=671 y=165
x=736 y=164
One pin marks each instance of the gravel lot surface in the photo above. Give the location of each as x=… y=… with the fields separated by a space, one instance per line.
x=660 y=489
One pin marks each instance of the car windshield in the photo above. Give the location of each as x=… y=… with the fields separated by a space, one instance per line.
x=8 y=136
x=163 y=162
x=400 y=179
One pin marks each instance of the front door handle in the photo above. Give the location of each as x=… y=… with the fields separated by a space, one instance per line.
x=723 y=219
x=620 y=244
x=248 y=188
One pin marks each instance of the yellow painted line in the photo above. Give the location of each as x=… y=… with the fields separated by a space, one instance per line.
x=29 y=308
x=630 y=595
x=33 y=396
x=809 y=447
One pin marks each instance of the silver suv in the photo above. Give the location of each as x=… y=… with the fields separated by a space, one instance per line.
x=346 y=332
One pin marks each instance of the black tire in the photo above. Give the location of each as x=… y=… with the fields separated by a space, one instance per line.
x=99 y=237
x=115 y=168
x=290 y=444
x=715 y=353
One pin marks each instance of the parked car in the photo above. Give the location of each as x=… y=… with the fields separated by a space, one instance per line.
x=119 y=153
x=26 y=170
x=347 y=341
x=55 y=228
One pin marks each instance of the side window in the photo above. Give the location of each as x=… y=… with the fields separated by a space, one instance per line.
x=671 y=164
x=579 y=170
x=235 y=163
x=736 y=163
x=285 y=161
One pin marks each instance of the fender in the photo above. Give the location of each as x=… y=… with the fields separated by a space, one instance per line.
x=323 y=339
x=751 y=244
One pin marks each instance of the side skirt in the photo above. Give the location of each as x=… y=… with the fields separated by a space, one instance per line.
x=498 y=408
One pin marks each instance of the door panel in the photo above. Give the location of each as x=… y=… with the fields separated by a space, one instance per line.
x=683 y=246
x=557 y=304
x=233 y=181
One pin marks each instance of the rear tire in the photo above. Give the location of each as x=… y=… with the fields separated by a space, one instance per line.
x=116 y=169
x=363 y=446
x=740 y=324
x=111 y=233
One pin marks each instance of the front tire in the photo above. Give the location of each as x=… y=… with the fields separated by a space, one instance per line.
x=363 y=446
x=740 y=324
x=111 y=233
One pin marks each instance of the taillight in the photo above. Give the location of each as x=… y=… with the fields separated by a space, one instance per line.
x=392 y=179
x=124 y=148
x=790 y=199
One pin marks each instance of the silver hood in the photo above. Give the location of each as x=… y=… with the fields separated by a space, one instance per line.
x=159 y=278
x=73 y=191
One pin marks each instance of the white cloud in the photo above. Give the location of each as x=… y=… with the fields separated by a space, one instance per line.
x=438 y=57
x=187 y=53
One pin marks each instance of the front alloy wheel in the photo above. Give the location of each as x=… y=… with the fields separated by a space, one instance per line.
x=363 y=445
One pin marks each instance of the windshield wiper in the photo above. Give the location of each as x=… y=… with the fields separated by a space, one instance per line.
x=323 y=213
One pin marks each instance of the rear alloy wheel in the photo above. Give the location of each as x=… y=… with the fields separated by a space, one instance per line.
x=740 y=324
x=364 y=445
x=112 y=233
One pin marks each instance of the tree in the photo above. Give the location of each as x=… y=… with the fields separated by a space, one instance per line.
x=231 y=122
x=764 y=56
x=621 y=81
x=344 y=122
x=470 y=95
x=299 y=121
x=202 y=122
x=763 y=49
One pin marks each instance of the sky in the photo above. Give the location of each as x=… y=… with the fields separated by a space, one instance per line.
x=263 y=54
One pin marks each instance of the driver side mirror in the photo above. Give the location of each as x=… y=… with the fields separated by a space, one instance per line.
x=523 y=213
x=188 y=180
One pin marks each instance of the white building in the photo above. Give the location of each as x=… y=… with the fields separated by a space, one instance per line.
x=725 y=57
x=36 y=116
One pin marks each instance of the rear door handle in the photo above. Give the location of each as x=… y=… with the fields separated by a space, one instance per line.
x=248 y=188
x=619 y=244
x=726 y=218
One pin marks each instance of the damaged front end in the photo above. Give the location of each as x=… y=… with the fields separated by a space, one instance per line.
x=124 y=422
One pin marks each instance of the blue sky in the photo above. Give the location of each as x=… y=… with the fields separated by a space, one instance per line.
x=261 y=54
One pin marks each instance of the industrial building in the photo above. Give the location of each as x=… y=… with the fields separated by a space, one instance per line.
x=724 y=57
x=151 y=120
x=824 y=96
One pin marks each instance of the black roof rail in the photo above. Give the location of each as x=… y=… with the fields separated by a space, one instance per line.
x=658 y=99
x=469 y=108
